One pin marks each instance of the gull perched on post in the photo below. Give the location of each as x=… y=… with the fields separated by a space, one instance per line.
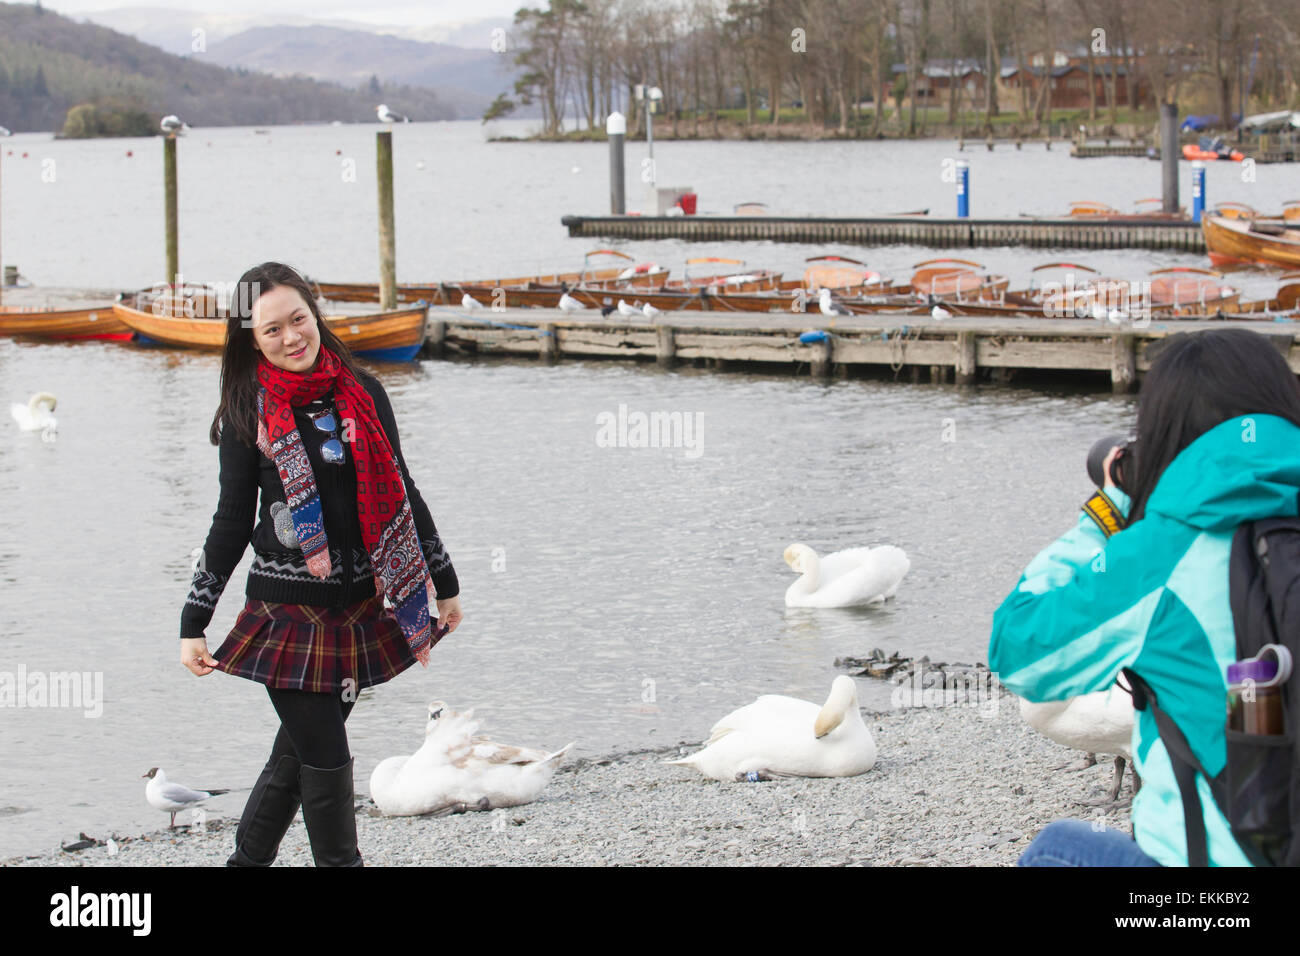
x=388 y=116
x=172 y=125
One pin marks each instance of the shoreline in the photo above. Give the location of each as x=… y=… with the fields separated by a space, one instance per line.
x=959 y=785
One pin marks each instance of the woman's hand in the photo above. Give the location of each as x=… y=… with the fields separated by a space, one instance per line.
x=1105 y=467
x=195 y=656
x=449 y=614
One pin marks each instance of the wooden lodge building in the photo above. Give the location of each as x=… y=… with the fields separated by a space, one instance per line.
x=1069 y=75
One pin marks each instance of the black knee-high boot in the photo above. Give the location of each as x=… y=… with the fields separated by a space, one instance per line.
x=329 y=811
x=270 y=809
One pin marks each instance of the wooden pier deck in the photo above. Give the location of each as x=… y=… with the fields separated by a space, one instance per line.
x=954 y=349
x=888 y=230
x=1094 y=150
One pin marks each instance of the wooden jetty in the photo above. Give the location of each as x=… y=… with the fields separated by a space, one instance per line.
x=1138 y=233
x=954 y=349
x=1094 y=150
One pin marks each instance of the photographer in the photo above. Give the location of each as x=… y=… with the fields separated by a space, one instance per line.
x=1218 y=444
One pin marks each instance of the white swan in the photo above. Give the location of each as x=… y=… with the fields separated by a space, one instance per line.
x=1100 y=722
x=845 y=578
x=36 y=415
x=785 y=736
x=457 y=769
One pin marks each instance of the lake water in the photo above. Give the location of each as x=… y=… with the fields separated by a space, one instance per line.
x=619 y=597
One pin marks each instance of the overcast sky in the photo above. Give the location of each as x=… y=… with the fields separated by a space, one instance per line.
x=401 y=12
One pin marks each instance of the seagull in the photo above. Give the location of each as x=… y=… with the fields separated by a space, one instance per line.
x=939 y=313
x=650 y=311
x=388 y=116
x=829 y=306
x=627 y=310
x=172 y=125
x=568 y=303
x=467 y=301
x=173 y=797
x=5 y=132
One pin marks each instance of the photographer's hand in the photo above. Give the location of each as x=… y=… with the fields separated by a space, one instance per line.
x=1105 y=467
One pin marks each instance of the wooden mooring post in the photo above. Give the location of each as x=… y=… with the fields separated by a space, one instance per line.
x=169 y=210
x=965 y=369
x=548 y=343
x=387 y=254
x=1123 y=366
x=665 y=347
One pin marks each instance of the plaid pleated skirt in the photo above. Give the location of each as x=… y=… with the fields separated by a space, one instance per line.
x=304 y=647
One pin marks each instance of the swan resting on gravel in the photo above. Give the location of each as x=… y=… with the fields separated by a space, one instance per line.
x=785 y=736
x=458 y=769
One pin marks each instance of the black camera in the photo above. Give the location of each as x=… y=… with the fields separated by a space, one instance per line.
x=1097 y=457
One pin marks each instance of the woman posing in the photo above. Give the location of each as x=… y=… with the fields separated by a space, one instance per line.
x=342 y=528
x=1218 y=444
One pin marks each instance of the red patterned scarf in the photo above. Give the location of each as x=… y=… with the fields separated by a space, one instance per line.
x=387 y=525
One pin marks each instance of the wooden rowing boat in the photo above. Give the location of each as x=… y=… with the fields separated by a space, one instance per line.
x=1240 y=241
x=632 y=275
x=736 y=280
x=393 y=336
x=98 y=322
x=1286 y=300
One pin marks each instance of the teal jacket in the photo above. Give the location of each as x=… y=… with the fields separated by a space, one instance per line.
x=1154 y=597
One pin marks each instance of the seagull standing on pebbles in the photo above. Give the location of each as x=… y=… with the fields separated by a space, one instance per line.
x=173 y=797
x=388 y=116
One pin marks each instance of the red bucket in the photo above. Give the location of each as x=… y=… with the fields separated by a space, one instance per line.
x=687 y=202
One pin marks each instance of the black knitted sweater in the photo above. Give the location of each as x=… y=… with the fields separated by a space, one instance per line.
x=279 y=570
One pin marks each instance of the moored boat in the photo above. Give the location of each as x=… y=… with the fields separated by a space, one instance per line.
x=97 y=322
x=171 y=320
x=627 y=274
x=1249 y=241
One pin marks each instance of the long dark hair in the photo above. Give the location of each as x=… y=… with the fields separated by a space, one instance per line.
x=239 y=385
x=1199 y=380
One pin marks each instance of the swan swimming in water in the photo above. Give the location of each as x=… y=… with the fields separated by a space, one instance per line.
x=846 y=578
x=457 y=769
x=37 y=414
x=785 y=736
x=1100 y=722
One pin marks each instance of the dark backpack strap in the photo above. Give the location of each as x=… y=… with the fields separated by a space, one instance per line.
x=1185 y=766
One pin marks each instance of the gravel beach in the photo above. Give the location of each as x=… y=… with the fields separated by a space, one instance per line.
x=953 y=786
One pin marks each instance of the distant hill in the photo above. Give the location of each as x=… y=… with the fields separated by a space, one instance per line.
x=467 y=79
x=453 y=59
x=171 y=28
x=50 y=63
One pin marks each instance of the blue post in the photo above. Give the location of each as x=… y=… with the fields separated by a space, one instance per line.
x=1198 y=190
x=963 y=189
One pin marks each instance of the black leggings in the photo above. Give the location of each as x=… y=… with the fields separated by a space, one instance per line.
x=311 y=727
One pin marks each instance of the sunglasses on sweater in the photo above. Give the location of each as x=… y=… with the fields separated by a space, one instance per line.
x=332 y=448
